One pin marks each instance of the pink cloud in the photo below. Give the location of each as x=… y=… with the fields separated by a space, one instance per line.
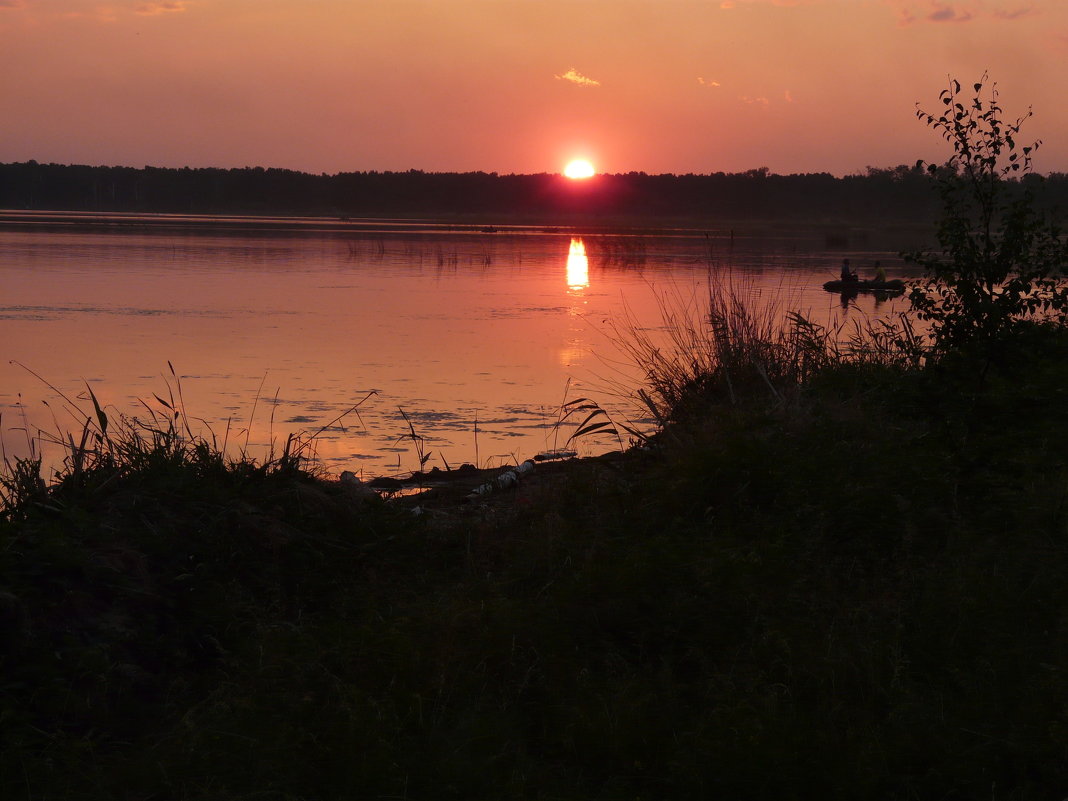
x=728 y=4
x=949 y=14
x=1016 y=13
x=910 y=11
x=165 y=7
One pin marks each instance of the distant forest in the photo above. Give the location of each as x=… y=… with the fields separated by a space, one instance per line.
x=899 y=194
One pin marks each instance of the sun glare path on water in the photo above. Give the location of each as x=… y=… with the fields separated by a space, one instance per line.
x=579 y=168
x=578 y=266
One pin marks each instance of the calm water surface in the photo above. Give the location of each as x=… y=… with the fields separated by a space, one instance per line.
x=477 y=337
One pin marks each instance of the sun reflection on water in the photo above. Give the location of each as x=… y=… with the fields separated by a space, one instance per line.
x=578 y=266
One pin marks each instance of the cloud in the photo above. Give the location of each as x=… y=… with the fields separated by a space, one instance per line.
x=69 y=10
x=102 y=14
x=708 y=82
x=729 y=4
x=763 y=101
x=165 y=7
x=1015 y=13
x=911 y=11
x=949 y=14
x=577 y=78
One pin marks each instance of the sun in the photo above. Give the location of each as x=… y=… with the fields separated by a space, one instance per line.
x=579 y=168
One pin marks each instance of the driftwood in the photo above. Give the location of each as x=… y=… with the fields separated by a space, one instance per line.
x=503 y=481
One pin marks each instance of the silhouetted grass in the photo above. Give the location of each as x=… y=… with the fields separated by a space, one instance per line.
x=842 y=576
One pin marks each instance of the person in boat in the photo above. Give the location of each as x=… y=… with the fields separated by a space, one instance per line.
x=880 y=274
x=847 y=274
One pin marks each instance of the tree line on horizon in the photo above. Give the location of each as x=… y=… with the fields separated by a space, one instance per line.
x=899 y=194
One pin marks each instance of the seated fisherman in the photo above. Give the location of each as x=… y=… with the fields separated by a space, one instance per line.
x=880 y=273
x=847 y=274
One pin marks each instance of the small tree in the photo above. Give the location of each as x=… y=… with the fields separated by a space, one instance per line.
x=1001 y=261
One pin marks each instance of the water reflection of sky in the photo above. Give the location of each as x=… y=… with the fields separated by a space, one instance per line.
x=450 y=329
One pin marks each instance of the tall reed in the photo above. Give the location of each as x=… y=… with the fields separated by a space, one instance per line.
x=726 y=343
x=162 y=442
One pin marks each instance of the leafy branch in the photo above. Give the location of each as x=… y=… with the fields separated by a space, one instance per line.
x=1000 y=261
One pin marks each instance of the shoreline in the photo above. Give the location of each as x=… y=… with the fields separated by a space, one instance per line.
x=832 y=231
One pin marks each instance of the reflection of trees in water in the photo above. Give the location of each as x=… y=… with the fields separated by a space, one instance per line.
x=422 y=250
x=367 y=247
x=616 y=250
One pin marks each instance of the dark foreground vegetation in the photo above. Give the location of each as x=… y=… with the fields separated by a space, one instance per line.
x=838 y=570
x=861 y=594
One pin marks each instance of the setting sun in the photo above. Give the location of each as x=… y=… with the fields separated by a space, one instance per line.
x=579 y=168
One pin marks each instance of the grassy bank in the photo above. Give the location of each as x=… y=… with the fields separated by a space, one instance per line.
x=845 y=581
x=838 y=571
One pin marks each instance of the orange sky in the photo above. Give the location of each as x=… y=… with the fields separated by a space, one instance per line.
x=516 y=85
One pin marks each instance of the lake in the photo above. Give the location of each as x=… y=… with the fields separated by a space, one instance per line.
x=473 y=335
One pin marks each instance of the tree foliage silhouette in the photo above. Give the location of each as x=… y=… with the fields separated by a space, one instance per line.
x=1001 y=260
